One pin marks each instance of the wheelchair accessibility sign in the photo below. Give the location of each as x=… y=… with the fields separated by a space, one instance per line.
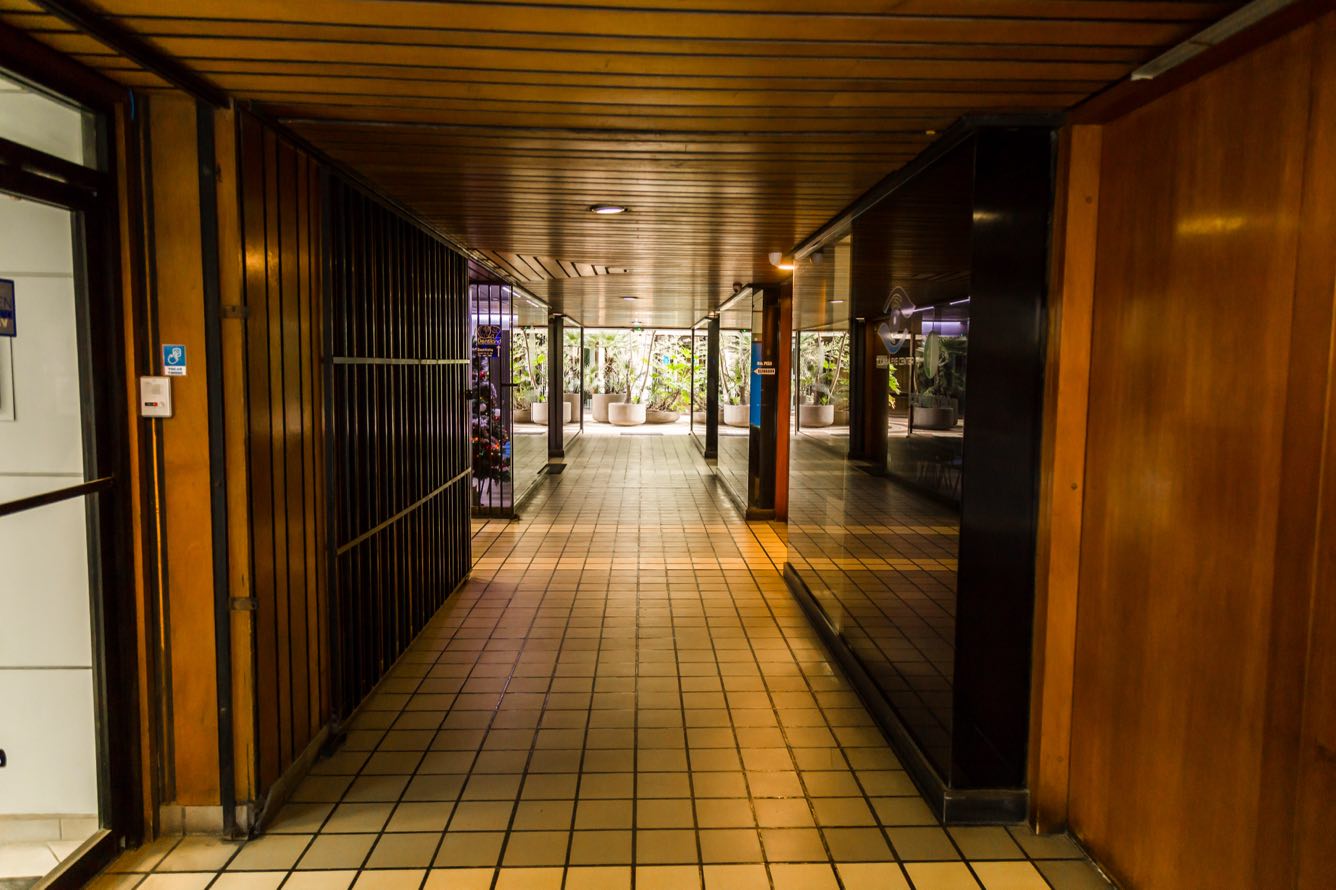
x=173 y=360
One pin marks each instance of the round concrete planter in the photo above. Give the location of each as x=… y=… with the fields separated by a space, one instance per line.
x=737 y=415
x=523 y=415
x=810 y=416
x=625 y=414
x=662 y=416
x=599 y=406
x=540 y=413
x=934 y=418
x=699 y=417
x=573 y=400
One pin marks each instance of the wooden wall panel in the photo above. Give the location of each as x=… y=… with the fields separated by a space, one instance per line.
x=190 y=667
x=281 y=246
x=1202 y=439
x=398 y=319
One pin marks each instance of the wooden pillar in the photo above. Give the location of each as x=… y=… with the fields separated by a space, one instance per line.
x=556 y=397
x=712 y=389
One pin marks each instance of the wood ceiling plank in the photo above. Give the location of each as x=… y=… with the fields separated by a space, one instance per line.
x=631 y=23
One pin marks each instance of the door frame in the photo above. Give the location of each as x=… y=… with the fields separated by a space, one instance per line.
x=91 y=194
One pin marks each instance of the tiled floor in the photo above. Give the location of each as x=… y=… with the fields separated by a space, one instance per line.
x=625 y=695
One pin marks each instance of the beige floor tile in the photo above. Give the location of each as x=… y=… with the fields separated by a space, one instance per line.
x=337 y=851
x=270 y=852
x=1045 y=846
x=458 y=879
x=872 y=876
x=540 y=815
x=390 y=879
x=1072 y=874
x=404 y=850
x=793 y=845
x=784 y=813
x=921 y=844
x=254 y=880
x=664 y=814
x=856 y=844
x=679 y=877
x=842 y=811
x=320 y=880
x=529 y=878
x=533 y=848
x=178 y=881
x=604 y=814
x=420 y=816
x=481 y=815
x=730 y=845
x=736 y=877
x=903 y=811
x=357 y=818
x=803 y=877
x=665 y=847
x=300 y=818
x=599 y=878
x=198 y=854
x=144 y=858
x=601 y=848
x=986 y=842
x=941 y=876
x=470 y=849
x=1009 y=876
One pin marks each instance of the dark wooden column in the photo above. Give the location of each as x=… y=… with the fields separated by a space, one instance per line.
x=712 y=389
x=768 y=451
x=556 y=397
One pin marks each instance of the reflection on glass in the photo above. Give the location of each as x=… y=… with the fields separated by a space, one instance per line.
x=528 y=368
x=49 y=124
x=700 y=380
x=822 y=391
x=572 y=388
x=926 y=445
x=735 y=378
x=490 y=411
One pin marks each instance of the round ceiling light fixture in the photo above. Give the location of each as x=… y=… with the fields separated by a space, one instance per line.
x=630 y=299
x=608 y=209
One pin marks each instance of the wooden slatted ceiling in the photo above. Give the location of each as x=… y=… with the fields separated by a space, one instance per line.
x=731 y=127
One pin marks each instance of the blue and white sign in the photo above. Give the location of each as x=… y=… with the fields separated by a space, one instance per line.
x=173 y=360
x=8 y=323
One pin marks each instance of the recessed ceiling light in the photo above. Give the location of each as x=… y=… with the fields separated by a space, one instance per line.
x=630 y=299
x=608 y=209
x=833 y=302
x=929 y=132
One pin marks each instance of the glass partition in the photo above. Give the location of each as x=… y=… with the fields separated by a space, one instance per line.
x=491 y=416
x=572 y=377
x=528 y=367
x=700 y=378
x=735 y=388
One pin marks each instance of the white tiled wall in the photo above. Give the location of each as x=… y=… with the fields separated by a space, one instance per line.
x=46 y=685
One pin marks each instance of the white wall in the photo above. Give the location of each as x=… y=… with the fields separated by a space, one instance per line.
x=46 y=686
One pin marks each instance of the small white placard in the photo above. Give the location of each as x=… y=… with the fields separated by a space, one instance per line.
x=155 y=397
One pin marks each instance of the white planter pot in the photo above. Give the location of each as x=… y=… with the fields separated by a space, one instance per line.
x=540 y=413
x=573 y=400
x=737 y=415
x=662 y=416
x=816 y=415
x=626 y=414
x=599 y=406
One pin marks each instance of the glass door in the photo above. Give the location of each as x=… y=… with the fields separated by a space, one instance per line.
x=69 y=706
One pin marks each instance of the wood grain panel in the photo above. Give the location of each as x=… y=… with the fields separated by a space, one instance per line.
x=1200 y=198
x=281 y=245
x=188 y=619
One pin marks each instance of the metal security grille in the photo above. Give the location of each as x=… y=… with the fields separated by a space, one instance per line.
x=399 y=449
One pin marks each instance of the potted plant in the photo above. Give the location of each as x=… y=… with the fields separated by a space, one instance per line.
x=939 y=382
x=821 y=360
x=608 y=384
x=571 y=366
x=735 y=378
x=528 y=367
x=670 y=379
x=636 y=367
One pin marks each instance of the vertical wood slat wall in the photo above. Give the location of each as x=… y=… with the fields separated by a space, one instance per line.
x=279 y=197
x=398 y=416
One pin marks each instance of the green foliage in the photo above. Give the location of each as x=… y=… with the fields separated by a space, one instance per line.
x=735 y=349
x=939 y=371
x=823 y=368
x=528 y=365
x=670 y=373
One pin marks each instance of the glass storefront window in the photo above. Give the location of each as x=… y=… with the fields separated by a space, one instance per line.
x=41 y=121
